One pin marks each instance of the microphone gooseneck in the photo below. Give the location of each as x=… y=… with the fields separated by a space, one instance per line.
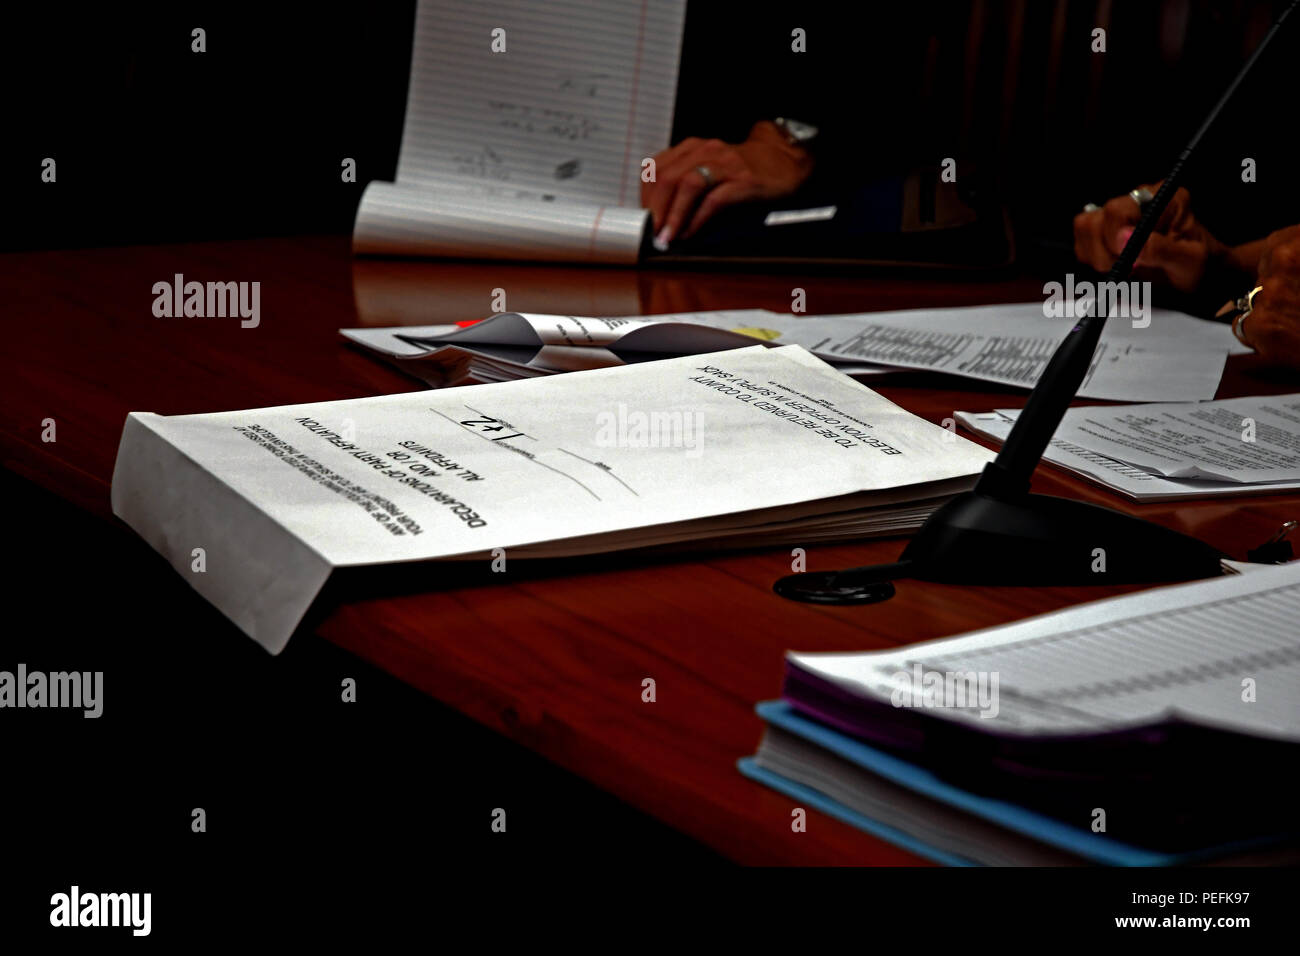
x=1008 y=475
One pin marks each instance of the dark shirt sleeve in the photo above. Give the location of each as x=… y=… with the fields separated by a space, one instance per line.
x=1259 y=127
x=857 y=79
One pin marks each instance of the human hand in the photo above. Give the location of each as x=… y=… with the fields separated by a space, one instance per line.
x=1179 y=252
x=680 y=200
x=1272 y=327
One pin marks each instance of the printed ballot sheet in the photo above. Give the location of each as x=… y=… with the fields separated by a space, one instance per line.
x=1253 y=440
x=526 y=125
x=1130 y=480
x=768 y=441
x=1157 y=655
x=1176 y=357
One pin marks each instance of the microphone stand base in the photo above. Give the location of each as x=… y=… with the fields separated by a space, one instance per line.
x=1043 y=540
x=1026 y=540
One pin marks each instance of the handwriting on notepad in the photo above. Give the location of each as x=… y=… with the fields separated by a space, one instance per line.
x=587 y=84
x=484 y=162
x=543 y=120
x=531 y=157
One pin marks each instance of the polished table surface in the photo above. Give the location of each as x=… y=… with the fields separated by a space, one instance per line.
x=552 y=656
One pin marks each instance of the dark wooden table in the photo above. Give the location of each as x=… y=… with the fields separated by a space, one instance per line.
x=553 y=660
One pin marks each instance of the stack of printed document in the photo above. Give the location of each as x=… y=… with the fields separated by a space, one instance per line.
x=1169 y=357
x=1096 y=734
x=745 y=447
x=1237 y=446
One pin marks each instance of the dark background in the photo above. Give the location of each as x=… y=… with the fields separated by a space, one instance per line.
x=308 y=800
x=156 y=143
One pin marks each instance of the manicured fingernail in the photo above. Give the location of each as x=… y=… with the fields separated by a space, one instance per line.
x=1124 y=234
x=661 y=241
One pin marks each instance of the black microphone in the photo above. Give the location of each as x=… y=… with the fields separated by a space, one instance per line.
x=999 y=533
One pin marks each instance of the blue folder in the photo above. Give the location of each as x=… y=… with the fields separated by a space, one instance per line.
x=1084 y=843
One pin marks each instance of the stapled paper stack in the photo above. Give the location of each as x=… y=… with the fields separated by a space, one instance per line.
x=746 y=447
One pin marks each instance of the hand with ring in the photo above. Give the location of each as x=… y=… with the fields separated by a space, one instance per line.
x=1179 y=252
x=697 y=177
x=1270 y=324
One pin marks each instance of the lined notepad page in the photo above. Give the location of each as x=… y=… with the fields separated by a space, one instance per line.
x=534 y=152
x=1223 y=653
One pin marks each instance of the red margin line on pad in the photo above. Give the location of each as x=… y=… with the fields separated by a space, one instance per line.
x=631 y=106
x=595 y=229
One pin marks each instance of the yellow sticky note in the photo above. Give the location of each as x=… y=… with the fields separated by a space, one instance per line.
x=767 y=335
